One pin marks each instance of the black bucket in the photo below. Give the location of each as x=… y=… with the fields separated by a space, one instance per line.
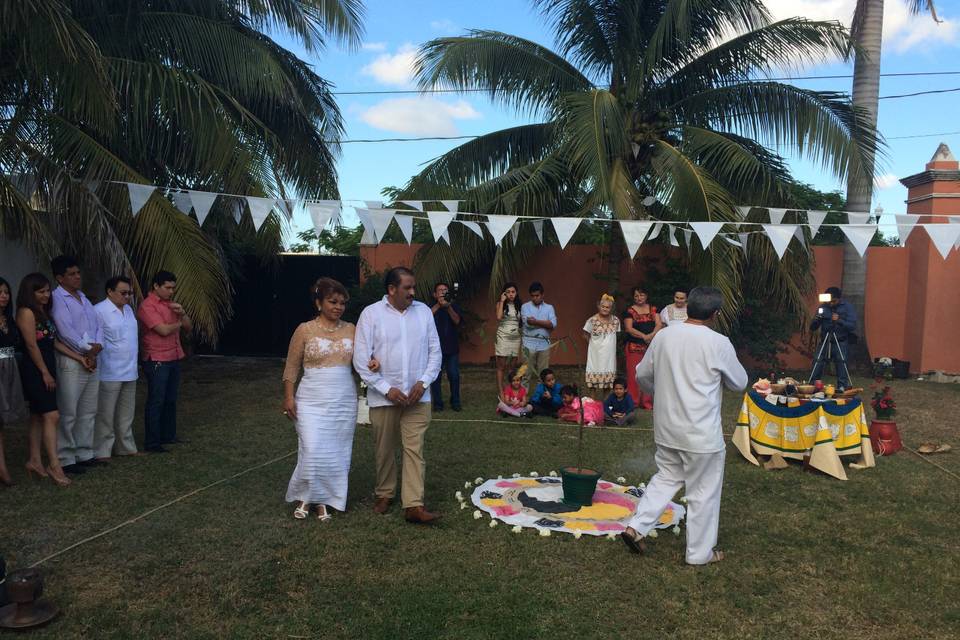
x=901 y=369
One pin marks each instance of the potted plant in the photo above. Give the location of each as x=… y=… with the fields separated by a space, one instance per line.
x=884 y=435
x=579 y=483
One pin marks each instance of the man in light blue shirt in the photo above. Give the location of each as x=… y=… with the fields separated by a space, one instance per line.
x=78 y=385
x=118 y=372
x=538 y=320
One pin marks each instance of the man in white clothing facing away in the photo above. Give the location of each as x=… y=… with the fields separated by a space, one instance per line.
x=686 y=367
x=402 y=335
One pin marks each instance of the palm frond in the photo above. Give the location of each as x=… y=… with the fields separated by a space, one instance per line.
x=307 y=20
x=593 y=128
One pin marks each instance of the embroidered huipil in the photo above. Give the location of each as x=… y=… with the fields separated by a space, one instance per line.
x=313 y=347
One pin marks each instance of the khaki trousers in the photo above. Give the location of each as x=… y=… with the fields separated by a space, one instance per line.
x=405 y=426
x=77 y=394
x=537 y=361
x=115 y=411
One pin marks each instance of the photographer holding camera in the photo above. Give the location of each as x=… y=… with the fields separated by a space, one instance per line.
x=446 y=314
x=836 y=318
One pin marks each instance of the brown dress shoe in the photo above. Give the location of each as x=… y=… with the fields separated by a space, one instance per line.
x=419 y=515
x=381 y=505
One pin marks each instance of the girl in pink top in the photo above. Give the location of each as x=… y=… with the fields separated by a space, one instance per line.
x=513 y=398
x=569 y=411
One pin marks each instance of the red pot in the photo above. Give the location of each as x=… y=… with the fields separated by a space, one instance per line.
x=885 y=437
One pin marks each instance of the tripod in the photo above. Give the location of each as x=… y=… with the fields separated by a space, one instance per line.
x=826 y=352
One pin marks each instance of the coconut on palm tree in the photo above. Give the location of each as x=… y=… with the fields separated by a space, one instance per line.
x=648 y=109
x=189 y=95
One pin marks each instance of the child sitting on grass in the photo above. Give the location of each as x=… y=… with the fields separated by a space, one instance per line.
x=619 y=409
x=546 y=395
x=513 y=398
x=570 y=409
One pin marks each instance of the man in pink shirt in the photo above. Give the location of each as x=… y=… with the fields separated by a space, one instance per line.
x=162 y=319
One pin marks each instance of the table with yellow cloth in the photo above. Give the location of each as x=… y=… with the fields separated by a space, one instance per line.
x=824 y=431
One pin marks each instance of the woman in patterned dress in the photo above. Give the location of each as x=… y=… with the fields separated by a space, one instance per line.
x=641 y=323
x=324 y=407
x=601 y=331
x=507 y=346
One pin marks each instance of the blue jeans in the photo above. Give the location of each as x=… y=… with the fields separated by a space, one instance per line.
x=450 y=364
x=160 y=411
x=838 y=357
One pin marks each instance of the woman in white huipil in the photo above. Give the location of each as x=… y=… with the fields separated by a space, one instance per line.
x=324 y=408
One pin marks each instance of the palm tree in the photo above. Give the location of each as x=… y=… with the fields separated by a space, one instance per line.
x=642 y=98
x=192 y=95
x=867 y=34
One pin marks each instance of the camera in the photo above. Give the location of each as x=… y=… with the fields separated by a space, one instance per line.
x=451 y=293
x=824 y=299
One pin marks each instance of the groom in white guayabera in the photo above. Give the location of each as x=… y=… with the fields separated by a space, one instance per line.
x=401 y=335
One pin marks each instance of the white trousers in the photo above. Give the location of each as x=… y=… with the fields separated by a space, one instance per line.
x=702 y=473
x=77 y=392
x=115 y=410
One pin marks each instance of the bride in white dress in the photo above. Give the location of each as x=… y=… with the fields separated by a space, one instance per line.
x=325 y=405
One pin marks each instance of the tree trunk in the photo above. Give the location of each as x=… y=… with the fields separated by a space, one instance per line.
x=866 y=91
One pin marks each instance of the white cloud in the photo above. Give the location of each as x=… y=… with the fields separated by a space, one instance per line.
x=886 y=181
x=444 y=26
x=420 y=116
x=901 y=31
x=374 y=46
x=393 y=69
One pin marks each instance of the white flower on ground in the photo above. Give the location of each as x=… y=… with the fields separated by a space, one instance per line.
x=493 y=523
x=642 y=485
x=478 y=481
x=553 y=474
x=611 y=536
x=467 y=485
x=621 y=480
x=653 y=533
x=517 y=529
x=577 y=534
x=463 y=505
x=459 y=496
x=683 y=500
x=516 y=475
x=676 y=530
x=544 y=533
x=477 y=514
x=534 y=474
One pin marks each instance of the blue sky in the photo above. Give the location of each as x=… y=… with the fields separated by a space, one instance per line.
x=394 y=30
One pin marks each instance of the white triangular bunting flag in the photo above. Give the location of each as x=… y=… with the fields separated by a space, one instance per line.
x=445 y=236
x=636 y=149
x=416 y=204
x=905 y=224
x=673 y=236
x=451 y=205
x=815 y=219
x=735 y=243
x=798 y=234
x=705 y=231
x=859 y=235
x=202 y=202
x=373 y=204
x=943 y=236
x=565 y=228
x=182 y=201
x=498 y=226
x=287 y=206
x=259 y=209
x=538 y=229
x=744 y=238
x=473 y=226
x=515 y=232
x=657 y=228
x=857 y=218
x=780 y=236
x=634 y=232
x=320 y=215
x=369 y=232
x=688 y=236
x=776 y=215
x=439 y=221
x=381 y=219
x=743 y=211
x=237 y=210
x=139 y=194
x=406 y=226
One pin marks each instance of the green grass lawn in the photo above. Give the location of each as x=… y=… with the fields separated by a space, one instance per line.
x=807 y=555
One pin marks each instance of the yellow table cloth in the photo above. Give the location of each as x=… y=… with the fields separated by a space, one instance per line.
x=824 y=431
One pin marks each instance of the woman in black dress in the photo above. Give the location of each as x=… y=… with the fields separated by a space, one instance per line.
x=12 y=406
x=38 y=370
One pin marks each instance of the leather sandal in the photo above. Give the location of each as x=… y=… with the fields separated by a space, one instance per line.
x=322 y=513
x=302 y=511
x=634 y=541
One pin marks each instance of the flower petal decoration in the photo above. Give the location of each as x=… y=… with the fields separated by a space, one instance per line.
x=544 y=533
x=676 y=530
x=463 y=505
x=553 y=474
x=683 y=500
x=478 y=481
x=458 y=496
x=493 y=523
x=467 y=485
x=621 y=480
x=534 y=474
x=611 y=536
x=653 y=533
x=577 y=535
x=477 y=514
x=516 y=475
x=517 y=529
